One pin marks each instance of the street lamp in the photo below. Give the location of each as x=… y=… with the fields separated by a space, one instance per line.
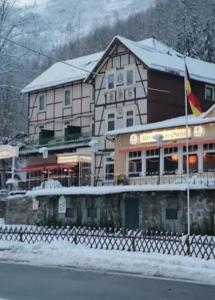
x=93 y=145
x=44 y=152
x=159 y=139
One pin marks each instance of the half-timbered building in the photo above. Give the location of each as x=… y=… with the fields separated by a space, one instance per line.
x=60 y=118
x=137 y=83
x=80 y=100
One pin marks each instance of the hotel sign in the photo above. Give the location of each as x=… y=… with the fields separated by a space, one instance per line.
x=168 y=135
x=7 y=151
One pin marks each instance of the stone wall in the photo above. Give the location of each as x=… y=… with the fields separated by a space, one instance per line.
x=2 y=208
x=163 y=210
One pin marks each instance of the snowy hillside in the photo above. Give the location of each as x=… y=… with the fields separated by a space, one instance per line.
x=64 y=20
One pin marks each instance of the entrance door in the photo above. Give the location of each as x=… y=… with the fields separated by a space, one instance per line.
x=131 y=213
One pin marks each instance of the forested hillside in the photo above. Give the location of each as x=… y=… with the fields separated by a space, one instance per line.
x=185 y=25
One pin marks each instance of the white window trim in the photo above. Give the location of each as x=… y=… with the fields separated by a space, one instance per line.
x=128 y=68
x=110 y=72
x=108 y=163
x=70 y=104
x=44 y=109
x=213 y=92
x=120 y=85
x=128 y=159
x=125 y=116
x=115 y=119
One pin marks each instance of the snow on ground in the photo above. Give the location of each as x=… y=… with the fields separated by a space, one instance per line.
x=64 y=254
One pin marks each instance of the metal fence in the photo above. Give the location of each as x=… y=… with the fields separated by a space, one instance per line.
x=115 y=239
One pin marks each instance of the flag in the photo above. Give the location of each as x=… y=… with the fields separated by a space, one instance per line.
x=191 y=97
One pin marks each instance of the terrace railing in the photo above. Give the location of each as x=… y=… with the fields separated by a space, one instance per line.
x=116 y=239
x=57 y=141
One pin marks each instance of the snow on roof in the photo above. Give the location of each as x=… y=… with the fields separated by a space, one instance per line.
x=160 y=57
x=151 y=52
x=154 y=44
x=174 y=122
x=64 y=72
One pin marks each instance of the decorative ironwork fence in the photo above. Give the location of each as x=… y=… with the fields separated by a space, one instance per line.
x=115 y=239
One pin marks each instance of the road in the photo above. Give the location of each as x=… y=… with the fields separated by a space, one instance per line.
x=22 y=282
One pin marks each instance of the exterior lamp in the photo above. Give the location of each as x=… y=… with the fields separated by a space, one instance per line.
x=44 y=152
x=159 y=139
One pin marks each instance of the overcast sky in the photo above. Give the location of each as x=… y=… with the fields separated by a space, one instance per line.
x=23 y=2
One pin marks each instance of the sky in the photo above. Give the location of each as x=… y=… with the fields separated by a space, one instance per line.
x=25 y=2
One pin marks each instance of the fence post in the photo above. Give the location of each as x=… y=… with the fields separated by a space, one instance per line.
x=75 y=240
x=133 y=243
x=21 y=237
x=187 y=243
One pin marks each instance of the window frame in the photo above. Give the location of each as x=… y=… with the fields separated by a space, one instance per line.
x=127 y=69
x=106 y=163
x=207 y=86
x=70 y=99
x=39 y=103
x=112 y=119
x=107 y=74
x=126 y=117
x=129 y=159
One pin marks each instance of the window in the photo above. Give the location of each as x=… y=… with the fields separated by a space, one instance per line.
x=209 y=157
x=192 y=159
x=67 y=98
x=210 y=92
x=171 y=159
x=120 y=78
x=41 y=102
x=171 y=214
x=110 y=121
x=110 y=81
x=130 y=76
x=134 y=164
x=129 y=118
x=109 y=168
x=152 y=162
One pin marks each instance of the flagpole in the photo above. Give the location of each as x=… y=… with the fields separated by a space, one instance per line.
x=187 y=151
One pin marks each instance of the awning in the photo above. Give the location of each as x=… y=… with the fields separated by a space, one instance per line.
x=75 y=157
x=40 y=167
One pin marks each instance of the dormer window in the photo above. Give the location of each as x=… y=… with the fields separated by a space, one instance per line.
x=210 y=93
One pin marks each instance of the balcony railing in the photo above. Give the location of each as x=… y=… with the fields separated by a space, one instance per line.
x=206 y=179
x=57 y=141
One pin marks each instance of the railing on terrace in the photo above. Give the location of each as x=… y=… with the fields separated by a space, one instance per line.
x=207 y=179
x=116 y=239
x=57 y=141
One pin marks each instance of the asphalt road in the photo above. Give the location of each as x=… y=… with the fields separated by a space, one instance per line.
x=21 y=282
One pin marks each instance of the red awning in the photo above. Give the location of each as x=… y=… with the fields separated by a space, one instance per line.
x=40 y=167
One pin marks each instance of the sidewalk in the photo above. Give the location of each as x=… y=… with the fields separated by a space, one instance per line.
x=146 y=264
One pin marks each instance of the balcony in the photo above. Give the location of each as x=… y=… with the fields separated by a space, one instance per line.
x=55 y=143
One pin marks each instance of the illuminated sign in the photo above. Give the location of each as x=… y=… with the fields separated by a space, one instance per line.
x=199 y=131
x=7 y=151
x=73 y=158
x=168 y=135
